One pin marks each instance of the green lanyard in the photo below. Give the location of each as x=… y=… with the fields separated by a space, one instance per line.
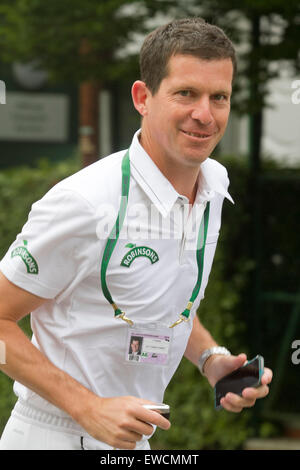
x=113 y=238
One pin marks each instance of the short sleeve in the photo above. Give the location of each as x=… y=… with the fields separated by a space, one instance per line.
x=56 y=246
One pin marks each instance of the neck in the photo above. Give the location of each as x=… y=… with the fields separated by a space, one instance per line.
x=182 y=177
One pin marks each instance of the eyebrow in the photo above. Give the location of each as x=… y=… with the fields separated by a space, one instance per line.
x=223 y=92
x=196 y=90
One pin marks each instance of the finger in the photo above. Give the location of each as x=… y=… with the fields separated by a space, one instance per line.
x=124 y=439
x=249 y=396
x=152 y=417
x=123 y=444
x=228 y=404
x=267 y=376
x=132 y=424
x=242 y=357
x=128 y=435
x=255 y=393
x=236 y=361
x=238 y=402
x=141 y=427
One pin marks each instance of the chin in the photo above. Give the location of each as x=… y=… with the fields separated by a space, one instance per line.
x=195 y=160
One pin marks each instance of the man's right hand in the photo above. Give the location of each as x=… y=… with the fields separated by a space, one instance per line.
x=121 y=421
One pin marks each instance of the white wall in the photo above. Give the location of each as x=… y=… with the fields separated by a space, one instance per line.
x=281 y=135
x=281 y=125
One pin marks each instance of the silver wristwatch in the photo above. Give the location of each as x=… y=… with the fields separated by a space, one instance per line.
x=209 y=352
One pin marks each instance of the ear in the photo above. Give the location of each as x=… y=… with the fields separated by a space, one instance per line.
x=140 y=93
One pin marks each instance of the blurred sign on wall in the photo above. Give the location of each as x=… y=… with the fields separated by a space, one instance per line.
x=2 y=92
x=35 y=117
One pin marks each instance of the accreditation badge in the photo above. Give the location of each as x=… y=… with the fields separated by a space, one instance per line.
x=148 y=343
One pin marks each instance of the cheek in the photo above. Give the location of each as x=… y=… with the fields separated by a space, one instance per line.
x=222 y=120
x=157 y=116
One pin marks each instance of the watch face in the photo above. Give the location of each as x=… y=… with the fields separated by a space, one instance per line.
x=29 y=75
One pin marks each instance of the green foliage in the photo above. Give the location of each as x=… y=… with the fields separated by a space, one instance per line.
x=54 y=32
x=20 y=187
x=7 y=400
x=265 y=33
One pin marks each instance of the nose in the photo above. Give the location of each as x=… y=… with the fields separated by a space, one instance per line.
x=202 y=111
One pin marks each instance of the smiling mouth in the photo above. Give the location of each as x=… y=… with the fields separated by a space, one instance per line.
x=198 y=135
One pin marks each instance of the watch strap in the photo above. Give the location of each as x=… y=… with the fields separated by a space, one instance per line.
x=209 y=352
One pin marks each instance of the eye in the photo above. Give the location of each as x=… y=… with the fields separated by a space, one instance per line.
x=220 y=97
x=184 y=93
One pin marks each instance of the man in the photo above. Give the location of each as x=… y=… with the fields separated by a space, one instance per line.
x=91 y=289
x=135 y=349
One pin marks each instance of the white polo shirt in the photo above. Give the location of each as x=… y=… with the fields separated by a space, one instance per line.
x=58 y=256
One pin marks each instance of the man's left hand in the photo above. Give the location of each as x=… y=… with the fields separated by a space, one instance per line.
x=217 y=366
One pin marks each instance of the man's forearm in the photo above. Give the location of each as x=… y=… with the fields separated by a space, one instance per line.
x=26 y=364
x=200 y=339
x=118 y=421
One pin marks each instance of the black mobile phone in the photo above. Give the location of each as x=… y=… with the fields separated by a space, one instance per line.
x=249 y=375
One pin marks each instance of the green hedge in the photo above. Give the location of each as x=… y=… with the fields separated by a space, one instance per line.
x=195 y=423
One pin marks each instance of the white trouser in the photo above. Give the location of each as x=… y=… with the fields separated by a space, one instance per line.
x=37 y=432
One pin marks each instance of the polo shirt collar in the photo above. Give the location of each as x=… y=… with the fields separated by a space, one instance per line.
x=211 y=179
x=159 y=189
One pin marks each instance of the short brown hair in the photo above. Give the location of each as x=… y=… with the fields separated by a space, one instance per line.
x=191 y=36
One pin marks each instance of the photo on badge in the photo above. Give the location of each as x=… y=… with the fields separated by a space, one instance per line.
x=148 y=344
x=135 y=348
